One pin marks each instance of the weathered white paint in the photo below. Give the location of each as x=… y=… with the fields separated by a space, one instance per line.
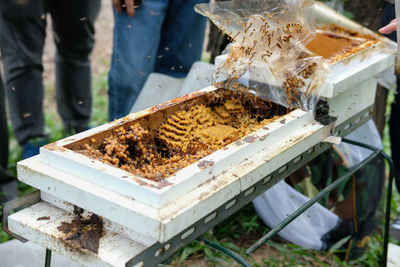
x=393 y=255
x=114 y=249
x=353 y=100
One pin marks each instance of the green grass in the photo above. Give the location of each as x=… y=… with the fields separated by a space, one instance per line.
x=236 y=232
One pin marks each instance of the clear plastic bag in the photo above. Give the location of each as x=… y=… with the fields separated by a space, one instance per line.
x=268 y=55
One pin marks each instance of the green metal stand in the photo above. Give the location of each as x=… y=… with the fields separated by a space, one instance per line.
x=224 y=250
x=199 y=228
x=47 y=262
x=239 y=259
x=323 y=193
x=388 y=197
x=152 y=255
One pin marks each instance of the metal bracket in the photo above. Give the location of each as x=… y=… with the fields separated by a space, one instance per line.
x=322 y=113
x=15 y=205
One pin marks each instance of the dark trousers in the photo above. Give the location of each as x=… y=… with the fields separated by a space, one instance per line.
x=394 y=122
x=23 y=31
x=4 y=176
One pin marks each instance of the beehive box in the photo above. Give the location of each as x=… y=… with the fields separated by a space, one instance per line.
x=150 y=210
x=183 y=168
x=159 y=207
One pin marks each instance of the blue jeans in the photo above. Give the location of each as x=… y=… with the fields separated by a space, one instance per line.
x=164 y=36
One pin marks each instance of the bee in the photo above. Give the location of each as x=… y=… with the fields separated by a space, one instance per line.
x=245 y=31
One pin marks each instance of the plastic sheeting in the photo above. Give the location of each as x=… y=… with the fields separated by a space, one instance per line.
x=268 y=55
x=281 y=200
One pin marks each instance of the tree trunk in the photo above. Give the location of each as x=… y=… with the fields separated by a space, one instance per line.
x=369 y=14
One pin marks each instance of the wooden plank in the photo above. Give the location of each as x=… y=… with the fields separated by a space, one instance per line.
x=114 y=249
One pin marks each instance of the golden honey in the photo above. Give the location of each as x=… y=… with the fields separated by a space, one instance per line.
x=335 y=43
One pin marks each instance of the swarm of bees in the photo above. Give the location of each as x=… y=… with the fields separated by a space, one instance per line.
x=276 y=43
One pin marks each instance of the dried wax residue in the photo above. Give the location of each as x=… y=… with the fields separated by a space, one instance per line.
x=83 y=233
x=187 y=135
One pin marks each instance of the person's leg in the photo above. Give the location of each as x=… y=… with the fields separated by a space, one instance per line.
x=182 y=38
x=73 y=26
x=3 y=135
x=22 y=33
x=136 y=41
x=8 y=184
x=394 y=127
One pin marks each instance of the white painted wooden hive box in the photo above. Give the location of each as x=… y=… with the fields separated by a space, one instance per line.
x=148 y=203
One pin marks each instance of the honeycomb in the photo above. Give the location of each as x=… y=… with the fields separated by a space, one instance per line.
x=330 y=45
x=334 y=43
x=193 y=131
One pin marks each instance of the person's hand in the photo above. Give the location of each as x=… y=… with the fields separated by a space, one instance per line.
x=391 y=27
x=128 y=4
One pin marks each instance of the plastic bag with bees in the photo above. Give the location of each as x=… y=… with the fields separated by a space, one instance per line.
x=268 y=55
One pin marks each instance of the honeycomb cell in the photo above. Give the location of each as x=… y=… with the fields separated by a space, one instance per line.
x=184 y=136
